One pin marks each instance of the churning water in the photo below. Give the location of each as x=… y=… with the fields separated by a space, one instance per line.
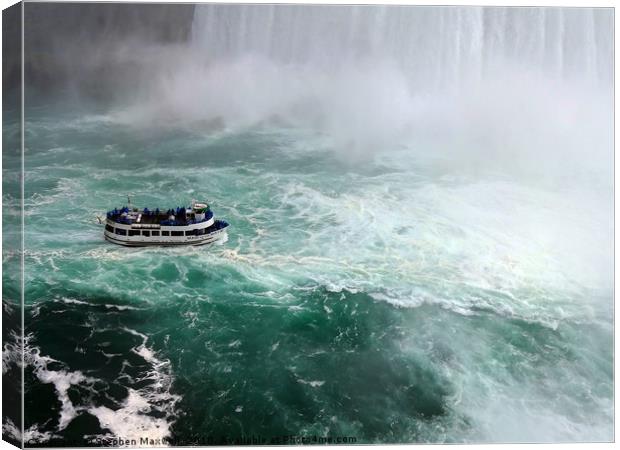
x=420 y=246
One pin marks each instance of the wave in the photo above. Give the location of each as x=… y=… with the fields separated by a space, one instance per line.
x=62 y=380
x=147 y=411
x=32 y=435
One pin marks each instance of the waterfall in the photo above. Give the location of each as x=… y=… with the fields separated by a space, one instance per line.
x=511 y=85
x=433 y=46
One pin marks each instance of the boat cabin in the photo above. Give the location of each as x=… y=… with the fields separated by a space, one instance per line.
x=194 y=225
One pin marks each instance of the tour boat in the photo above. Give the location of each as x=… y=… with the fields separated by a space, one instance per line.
x=194 y=225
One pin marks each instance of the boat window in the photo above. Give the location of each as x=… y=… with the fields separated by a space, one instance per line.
x=190 y=233
x=134 y=232
x=177 y=233
x=121 y=231
x=200 y=231
x=146 y=233
x=165 y=233
x=154 y=233
x=109 y=228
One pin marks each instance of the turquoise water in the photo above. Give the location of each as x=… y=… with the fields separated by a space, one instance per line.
x=391 y=298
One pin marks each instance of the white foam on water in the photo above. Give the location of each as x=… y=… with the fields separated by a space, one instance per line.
x=234 y=344
x=12 y=352
x=122 y=307
x=314 y=383
x=9 y=428
x=60 y=149
x=504 y=409
x=72 y=301
x=492 y=244
x=33 y=435
x=61 y=379
x=67 y=189
x=132 y=420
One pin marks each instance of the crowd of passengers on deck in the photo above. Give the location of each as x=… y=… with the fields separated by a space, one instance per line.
x=170 y=217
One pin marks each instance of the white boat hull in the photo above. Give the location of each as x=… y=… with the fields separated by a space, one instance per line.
x=219 y=235
x=131 y=235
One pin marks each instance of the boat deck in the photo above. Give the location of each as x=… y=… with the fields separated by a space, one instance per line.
x=147 y=217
